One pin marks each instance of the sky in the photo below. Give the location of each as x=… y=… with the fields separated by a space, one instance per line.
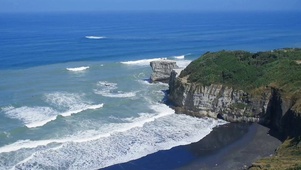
x=134 y=5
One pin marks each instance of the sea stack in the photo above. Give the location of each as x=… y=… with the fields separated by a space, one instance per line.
x=162 y=70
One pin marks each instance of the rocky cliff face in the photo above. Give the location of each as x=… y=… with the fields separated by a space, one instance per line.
x=218 y=101
x=212 y=86
x=268 y=107
x=162 y=69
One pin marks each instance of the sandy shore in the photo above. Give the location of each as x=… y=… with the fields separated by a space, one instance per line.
x=256 y=143
x=231 y=146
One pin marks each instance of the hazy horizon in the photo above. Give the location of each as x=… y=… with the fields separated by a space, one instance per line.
x=17 y=6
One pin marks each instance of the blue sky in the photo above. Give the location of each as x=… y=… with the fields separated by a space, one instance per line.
x=121 y=5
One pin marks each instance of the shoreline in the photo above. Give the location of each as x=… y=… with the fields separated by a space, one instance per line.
x=241 y=153
x=230 y=146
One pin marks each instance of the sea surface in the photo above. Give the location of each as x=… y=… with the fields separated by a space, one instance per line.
x=75 y=90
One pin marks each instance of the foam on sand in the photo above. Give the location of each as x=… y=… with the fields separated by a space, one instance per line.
x=93 y=37
x=132 y=141
x=76 y=69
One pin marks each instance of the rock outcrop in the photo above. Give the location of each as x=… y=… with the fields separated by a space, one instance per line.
x=268 y=107
x=269 y=104
x=162 y=69
x=218 y=101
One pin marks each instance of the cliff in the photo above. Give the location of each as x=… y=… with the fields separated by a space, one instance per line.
x=240 y=86
x=216 y=100
x=162 y=69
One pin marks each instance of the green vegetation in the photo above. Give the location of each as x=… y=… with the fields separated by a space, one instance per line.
x=248 y=71
x=288 y=156
x=253 y=73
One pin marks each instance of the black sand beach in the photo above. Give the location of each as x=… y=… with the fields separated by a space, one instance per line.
x=231 y=146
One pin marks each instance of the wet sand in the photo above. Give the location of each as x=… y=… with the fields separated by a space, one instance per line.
x=240 y=154
x=231 y=146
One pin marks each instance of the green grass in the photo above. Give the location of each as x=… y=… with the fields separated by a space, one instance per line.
x=288 y=157
x=248 y=71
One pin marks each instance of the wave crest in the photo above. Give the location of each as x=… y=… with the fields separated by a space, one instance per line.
x=66 y=104
x=75 y=69
x=93 y=37
x=179 y=57
x=143 y=62
x=138 y=139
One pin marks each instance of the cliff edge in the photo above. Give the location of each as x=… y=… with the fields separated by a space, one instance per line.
x=240 y=86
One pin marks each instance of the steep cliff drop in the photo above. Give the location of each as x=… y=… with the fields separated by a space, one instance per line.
x=239 y=86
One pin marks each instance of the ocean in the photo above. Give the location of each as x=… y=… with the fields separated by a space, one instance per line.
x=75 y=90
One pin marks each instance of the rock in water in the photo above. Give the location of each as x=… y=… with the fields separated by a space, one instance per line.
x=162 y=69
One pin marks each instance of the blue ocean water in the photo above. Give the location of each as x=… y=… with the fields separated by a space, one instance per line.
x=74 y=90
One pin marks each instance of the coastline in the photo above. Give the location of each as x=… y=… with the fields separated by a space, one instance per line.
x=230 y=146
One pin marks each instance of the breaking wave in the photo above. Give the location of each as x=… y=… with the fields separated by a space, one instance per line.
x=78 y=68
x=179 y=57
x=95 y=37
x=143 y=62
x=115 y=143
x=66 y=104
x=180 y=60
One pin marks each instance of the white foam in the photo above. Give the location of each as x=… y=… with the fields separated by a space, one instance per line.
x=95 y=37
x=41 y=115
x=114 y=143
x=64 y=99
x=107 y=84
x=161 y=110
x=124 y=145
x=72 y=101
x=117 y=95
x=180 y=60
x=179 y=57
x=21 y=144
x=87 y=107
x=76 y=69
x=143 y=62
x=94 y=107
x=107 y=90
x=147 y=82
x=135 y=119
x=32 y=116
x=183 y=63
x=8 y=108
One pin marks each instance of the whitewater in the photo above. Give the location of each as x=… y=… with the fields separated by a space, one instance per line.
x=93 y=117
x=75 y=90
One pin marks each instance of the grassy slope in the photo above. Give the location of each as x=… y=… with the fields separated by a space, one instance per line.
x=288 y=156
x=248 y=71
